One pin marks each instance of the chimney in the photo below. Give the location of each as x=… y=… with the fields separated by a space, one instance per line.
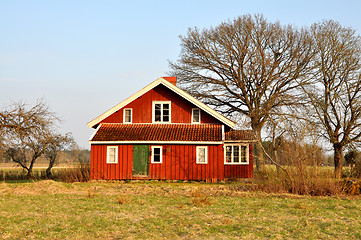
x=172 y=80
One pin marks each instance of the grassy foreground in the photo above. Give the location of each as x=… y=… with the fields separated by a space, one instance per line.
x=156 y=210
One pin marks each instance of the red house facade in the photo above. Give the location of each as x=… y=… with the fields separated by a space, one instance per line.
x=161 y=132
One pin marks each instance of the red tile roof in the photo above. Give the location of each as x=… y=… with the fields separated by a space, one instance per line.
x=234 y=135
x=158 y=132
x=114 y=132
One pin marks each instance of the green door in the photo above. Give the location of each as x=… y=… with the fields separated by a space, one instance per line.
x=141 y=160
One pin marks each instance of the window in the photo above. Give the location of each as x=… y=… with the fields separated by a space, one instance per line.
x=236 y=154
x=127 y=115
x=196 y=115
x=161 y=112
x=202 y=156
x=112 y=154
x=157 y=154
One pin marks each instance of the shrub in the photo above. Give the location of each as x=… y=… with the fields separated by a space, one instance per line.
x=80 y=173
x=314 y=181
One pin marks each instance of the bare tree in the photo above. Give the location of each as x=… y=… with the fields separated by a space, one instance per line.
x=56 y=143
x=247 y=65
x=27 y=132
x=335 y=95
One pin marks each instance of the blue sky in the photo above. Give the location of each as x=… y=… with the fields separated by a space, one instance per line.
x=84 y=57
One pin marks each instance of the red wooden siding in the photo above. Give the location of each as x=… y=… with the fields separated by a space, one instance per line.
x=100 y=169
x=142 y=108
x=179 y=163
x=240 y=171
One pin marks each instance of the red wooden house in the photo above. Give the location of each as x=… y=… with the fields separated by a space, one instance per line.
x=161 y=132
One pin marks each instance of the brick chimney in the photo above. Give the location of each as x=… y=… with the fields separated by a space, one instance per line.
x=172 y=80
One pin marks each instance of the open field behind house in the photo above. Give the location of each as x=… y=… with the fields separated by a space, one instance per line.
x=140 y=210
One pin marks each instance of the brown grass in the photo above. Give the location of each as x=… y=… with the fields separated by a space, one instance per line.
x=123 y=199
x=80 y=173
x=200 y=198
x=313 y=181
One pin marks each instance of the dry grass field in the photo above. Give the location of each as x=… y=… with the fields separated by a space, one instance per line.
x=170 y=210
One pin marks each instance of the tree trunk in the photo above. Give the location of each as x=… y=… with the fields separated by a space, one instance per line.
x=259 y=159
x=337 y=160
x=48 y=173
x=48 y=170
x=30 y=171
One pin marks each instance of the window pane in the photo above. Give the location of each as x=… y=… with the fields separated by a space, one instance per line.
x=165 y=106
x=165 y=112
x=157 y=113
x=156 y=158
x=111 y=155
x=229 y=154
x=243 y=154
x=196 y=115
x=202 y=155
x=156 y=154
x=236 y=154
x=128 y=115
x=156 y=151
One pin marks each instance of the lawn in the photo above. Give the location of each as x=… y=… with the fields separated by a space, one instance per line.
x=163 y=210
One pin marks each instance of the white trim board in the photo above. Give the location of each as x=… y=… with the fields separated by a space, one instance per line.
x=172 y=87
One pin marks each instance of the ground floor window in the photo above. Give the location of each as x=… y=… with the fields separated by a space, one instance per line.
x=157 y=155
x=202 y=155
x=112 y=154
x=236 y=154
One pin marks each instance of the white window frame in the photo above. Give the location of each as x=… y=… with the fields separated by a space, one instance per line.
x=131 y=115
x=205 y=154
x=161 y=154
x=193 y=115
x=116 y=154
x=240 y=154
x=161 y=111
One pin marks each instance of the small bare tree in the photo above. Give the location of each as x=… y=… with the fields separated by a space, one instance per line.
x=247 y=65
x=335 y=95
x=27 y=132
x=56 y=143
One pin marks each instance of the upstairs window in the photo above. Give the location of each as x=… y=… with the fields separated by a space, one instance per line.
x=157 y=154
x=127 y=115
x=161 y=112
x=196 y=115
x=202 y=156
x=236 y=154
x=112 y=154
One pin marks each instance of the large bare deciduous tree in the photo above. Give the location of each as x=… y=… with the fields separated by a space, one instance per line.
x=335 y=95
x=247 y=65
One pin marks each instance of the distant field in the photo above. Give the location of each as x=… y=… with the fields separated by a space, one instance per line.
x=37 y=165
x=161 y=210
